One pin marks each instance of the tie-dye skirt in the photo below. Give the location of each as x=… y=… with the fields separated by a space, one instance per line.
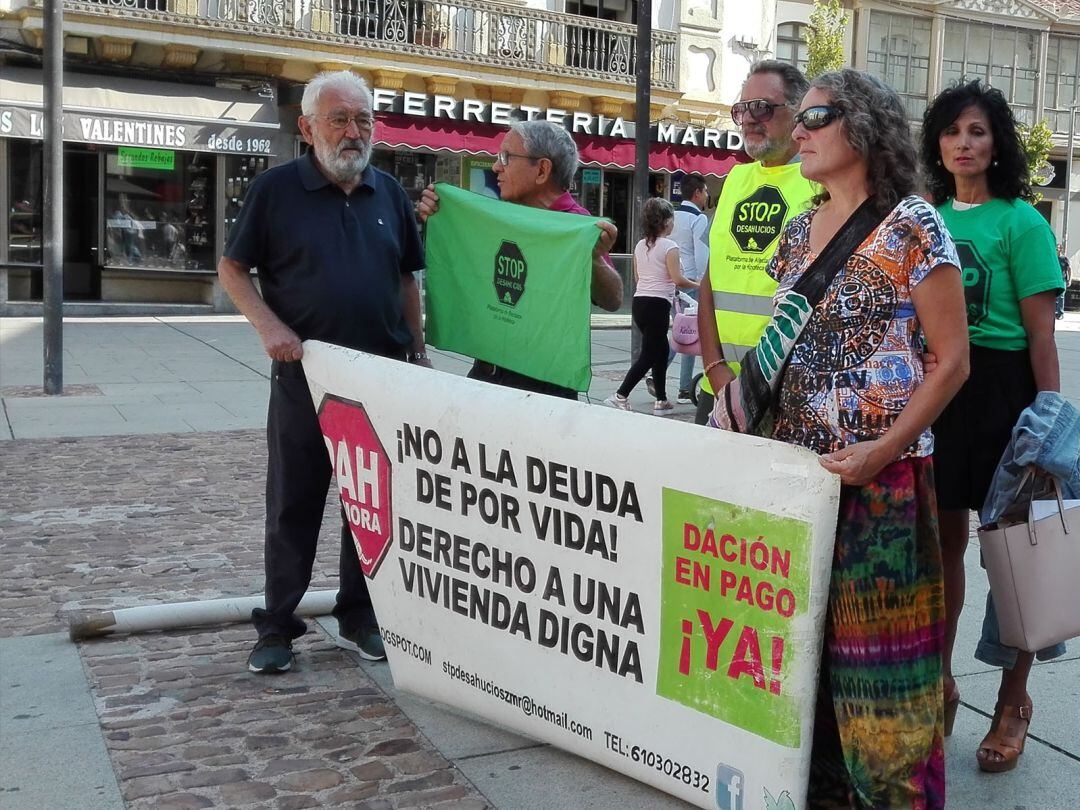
x=879 y=729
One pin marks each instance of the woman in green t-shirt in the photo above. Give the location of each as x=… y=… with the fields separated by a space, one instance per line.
x=977 y=176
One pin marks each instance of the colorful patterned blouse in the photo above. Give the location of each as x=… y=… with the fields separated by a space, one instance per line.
x=859 y=358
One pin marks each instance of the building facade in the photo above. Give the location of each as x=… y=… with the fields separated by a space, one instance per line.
x=172 y=107
x=1028 y=50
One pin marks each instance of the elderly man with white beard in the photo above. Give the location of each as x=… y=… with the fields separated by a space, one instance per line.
x=335 y=245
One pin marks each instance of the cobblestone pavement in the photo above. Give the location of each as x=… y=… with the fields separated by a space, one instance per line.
x=152 y=519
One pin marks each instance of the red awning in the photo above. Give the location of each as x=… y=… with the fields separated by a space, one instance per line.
x=408 y=132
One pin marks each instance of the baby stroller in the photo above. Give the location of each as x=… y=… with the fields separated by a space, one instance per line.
x=684 y=335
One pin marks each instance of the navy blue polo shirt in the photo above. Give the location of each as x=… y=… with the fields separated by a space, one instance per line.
x=330 y=265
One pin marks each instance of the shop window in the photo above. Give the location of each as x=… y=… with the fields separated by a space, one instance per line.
x=240 y=170
x=414 y=170
x=24 y=192
x=159 y=209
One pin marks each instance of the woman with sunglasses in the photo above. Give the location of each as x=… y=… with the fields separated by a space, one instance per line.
x=977 y=175
x=854 y=391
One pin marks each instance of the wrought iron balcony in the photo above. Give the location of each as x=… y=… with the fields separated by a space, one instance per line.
x=486 y=33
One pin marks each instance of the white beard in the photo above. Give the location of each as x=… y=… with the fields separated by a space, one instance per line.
x=343 y=168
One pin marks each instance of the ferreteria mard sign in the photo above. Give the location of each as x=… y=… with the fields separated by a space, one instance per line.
x=531 y=562
x=497 y=112
x=226 y=137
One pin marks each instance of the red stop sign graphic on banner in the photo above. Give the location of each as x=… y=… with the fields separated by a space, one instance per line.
x=362 y=469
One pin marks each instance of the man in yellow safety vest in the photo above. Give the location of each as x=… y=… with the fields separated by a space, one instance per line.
x=755 y=204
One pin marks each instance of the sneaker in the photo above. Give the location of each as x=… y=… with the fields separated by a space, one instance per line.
x=662 y=407
x=651 y=385
x=271 y=654
x=366 y=642
x=615 y=401
x=684 y=397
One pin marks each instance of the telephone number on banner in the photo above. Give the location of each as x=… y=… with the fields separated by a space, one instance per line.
x=665 y=765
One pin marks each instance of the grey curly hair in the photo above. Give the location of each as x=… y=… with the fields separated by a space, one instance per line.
x=543 y=139
x=337 y=79
x=876 y=125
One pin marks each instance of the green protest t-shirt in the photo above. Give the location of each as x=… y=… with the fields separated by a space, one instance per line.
x=509 y=284
x=1007 y=253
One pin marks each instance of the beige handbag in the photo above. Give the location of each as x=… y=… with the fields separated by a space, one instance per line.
x=1033 y=568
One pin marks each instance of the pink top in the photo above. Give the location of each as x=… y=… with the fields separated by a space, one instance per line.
x=568 y=204
x=654 y=281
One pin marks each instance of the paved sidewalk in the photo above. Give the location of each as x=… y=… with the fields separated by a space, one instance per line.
x=143 y=484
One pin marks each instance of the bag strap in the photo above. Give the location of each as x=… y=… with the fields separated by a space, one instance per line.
x=819 y=275
x=1031 y=509
x=757 y=390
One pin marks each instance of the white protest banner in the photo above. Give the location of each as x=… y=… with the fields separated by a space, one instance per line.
x=644 y=593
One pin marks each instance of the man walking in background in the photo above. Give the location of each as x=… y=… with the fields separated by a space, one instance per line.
x=691 y=234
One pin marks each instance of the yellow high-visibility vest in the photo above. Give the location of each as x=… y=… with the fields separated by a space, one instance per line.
x=754 y=208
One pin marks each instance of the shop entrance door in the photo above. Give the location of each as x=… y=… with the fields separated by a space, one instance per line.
x=82 y=272
x=618 y=200
x=82 y=268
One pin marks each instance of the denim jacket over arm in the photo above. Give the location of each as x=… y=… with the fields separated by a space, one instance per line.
x=1046 y=435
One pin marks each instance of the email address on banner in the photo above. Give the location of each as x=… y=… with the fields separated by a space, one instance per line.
x=528 y=706
x=407 y=646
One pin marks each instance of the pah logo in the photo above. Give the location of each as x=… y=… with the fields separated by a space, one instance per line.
x=510 y=273
x=976 y=278
x=759 y=219
x=362 y=468
x=730 y=786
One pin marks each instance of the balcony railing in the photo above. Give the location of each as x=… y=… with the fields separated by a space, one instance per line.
x=473 y=31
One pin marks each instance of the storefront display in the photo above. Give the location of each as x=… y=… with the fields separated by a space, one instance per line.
x=240 y=170
x=24 y=186
x=154 y=173
x=159 y=210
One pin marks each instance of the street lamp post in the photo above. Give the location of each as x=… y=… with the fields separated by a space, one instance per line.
x=52 y=265
x=643 y=79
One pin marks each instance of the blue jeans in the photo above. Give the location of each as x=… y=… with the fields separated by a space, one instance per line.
x=991 y=651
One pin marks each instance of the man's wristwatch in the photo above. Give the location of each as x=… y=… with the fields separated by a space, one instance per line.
x=417 y=357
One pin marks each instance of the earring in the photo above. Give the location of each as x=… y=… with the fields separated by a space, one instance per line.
x=938 y=162
x=995 y=163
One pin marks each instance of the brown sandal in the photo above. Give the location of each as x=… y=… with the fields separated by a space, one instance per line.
x=1006 y=738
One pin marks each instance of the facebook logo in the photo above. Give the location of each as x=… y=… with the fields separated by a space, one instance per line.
x=729 y=788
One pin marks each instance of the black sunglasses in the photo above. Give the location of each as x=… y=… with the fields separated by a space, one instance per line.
x=758 y=109
x=817 y=117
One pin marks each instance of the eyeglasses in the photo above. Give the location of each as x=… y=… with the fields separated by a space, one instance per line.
x=818 y=117
x=503 y=158
x=364 y=123
x=759 y=110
